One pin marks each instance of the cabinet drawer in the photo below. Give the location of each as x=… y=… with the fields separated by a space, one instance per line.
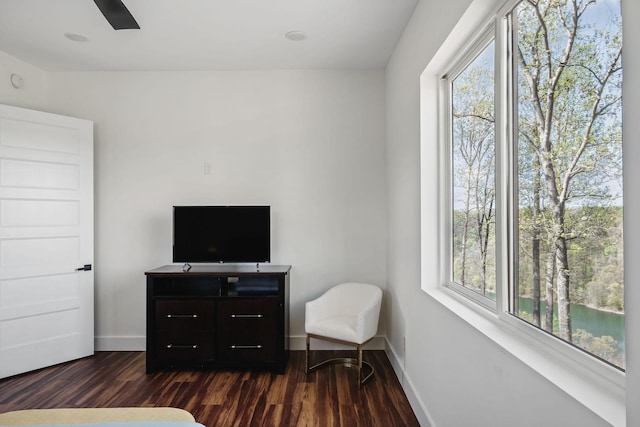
x=184 y=314
x=185 y=345
x=247 y=330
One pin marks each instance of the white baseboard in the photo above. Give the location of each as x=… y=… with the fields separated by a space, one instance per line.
x=418 y=406
x=134 y=343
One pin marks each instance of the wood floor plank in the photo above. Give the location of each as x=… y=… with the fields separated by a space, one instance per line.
x=223 y=398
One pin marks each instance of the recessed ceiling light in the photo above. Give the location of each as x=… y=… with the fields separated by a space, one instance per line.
x=295 y=36
x=75 y=37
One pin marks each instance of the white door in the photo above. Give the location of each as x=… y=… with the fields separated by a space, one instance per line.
x=46 y=234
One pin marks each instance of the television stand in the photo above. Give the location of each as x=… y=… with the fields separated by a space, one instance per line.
x=218 y=316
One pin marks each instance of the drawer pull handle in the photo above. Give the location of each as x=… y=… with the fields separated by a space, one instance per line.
x=182 y=316
x=242 y=347
x=246 y=316
x=182 y=347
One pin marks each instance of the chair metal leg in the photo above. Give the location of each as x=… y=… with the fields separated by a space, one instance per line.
x=306 y=357
x=359 y=350
x=358 y=362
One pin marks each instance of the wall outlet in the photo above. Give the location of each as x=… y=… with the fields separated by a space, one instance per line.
x=207 y=168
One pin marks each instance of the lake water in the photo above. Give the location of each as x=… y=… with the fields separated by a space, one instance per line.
x=596 y=322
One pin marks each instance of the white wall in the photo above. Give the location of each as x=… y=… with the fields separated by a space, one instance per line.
x=453 y=374
x=308 y=143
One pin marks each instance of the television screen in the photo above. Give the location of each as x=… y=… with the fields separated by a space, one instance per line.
x=221 y=234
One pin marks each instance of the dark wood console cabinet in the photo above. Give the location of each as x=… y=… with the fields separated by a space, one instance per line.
x=215 y=316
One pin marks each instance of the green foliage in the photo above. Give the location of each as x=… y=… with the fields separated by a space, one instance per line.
x=605 y=347
x=595 y=256
x=616 y=296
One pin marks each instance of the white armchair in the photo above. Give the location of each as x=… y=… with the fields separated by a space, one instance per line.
x=346 y=314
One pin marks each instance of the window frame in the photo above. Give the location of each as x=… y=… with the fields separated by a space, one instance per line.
x=476 y=47
x=595 y=383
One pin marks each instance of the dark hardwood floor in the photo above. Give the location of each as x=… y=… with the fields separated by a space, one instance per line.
x=327 y=397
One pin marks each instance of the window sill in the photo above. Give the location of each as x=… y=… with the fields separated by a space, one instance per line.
x=601 y=390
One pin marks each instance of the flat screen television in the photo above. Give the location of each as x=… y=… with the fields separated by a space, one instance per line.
x=218 y=234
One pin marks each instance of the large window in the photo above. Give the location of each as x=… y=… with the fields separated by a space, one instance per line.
x=557 y=147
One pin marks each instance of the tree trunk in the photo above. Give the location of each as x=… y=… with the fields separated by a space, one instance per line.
x=465 y=229
x=484 y=231
x=463 y=255
x=535 y=244
x=536 y=277
x=549 y=300
x=564 y=311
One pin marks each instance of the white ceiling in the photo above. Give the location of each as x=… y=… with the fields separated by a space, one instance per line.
x=205 y=34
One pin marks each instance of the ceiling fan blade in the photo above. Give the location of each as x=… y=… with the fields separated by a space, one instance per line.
x=117 y=14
